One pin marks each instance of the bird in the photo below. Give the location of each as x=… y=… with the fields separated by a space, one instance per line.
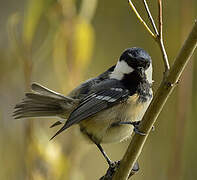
x=107 y=108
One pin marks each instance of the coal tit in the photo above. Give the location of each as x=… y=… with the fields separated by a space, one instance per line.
x=104 y=106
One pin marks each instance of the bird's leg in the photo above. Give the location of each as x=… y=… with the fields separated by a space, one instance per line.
x=114 y=164
x=111 y=163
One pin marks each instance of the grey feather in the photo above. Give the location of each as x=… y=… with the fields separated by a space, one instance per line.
x=92 y=105
x=44 y=102
x=47 y=92
x=85 y=88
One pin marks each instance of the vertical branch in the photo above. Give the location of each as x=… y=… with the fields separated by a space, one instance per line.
x=160 y=19
x=157 y=104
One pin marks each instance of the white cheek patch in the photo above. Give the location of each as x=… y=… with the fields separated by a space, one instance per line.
x=121 y=68
x=148 y=73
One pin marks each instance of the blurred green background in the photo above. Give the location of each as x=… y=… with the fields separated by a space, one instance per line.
x=61 y=43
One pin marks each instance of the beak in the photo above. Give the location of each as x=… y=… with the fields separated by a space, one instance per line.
x=141 y=71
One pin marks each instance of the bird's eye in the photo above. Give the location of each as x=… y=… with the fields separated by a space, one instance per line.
x=143 y=63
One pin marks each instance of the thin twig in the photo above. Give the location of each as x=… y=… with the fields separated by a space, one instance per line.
x=141 y=20
x=157 y=36
x=160 y=19
x=160 y=38
x=150 y=17
x=160 y=98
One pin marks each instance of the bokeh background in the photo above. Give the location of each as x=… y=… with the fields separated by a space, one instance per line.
x=61 y=43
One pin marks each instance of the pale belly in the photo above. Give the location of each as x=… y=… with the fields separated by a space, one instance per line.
x=100 y=129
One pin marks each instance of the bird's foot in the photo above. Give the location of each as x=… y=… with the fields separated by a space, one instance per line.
x=135 y=169
x=136 y=128
x=114 y=164
x=113 y=167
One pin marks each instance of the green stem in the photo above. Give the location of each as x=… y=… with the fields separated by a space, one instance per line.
x=160 y=98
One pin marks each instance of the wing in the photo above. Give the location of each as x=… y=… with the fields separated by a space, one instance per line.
x=79 y=92
x=102 y=99
x=83 y=89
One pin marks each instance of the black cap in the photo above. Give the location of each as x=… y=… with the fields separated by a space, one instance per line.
x=136 y=57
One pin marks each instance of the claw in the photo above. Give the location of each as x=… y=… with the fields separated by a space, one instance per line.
x=135 y=169
x=112 y=169
x=114 y=164
x=153 y=128
x=136 y=130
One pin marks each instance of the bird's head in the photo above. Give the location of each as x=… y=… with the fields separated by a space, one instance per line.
x=133 y=60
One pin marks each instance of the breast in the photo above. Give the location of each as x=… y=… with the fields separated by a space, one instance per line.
x=100 y=128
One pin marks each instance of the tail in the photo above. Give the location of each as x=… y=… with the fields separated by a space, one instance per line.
x=43 y=102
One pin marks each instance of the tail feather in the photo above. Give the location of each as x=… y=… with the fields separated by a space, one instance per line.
x=34 y=114
x=43 y=98
x=47 y=92
x=43 y=102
